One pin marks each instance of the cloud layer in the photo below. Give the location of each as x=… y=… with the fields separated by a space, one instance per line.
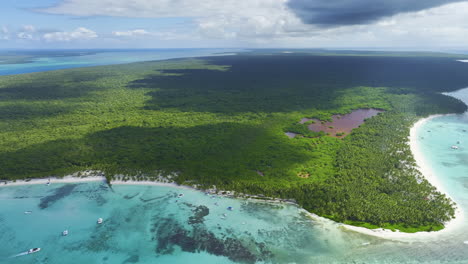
x=253 y=23
x=357 y=12
x=78 y=34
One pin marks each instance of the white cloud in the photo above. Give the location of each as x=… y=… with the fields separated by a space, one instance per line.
x=24 y=35
x=80 y=33
x=272 y=23
x=131 y=33
x=4 y=33
x=29 y=28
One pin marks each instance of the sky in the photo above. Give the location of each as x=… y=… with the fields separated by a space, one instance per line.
x=365 y=24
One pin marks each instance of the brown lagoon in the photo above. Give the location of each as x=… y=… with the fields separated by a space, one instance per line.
x=342 y=125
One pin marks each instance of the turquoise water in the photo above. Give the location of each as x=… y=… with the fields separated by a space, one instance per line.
x=100 y=57
x=151 y=224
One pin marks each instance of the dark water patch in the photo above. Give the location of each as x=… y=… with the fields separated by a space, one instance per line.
x=341 y=125
x=262 y=211
x=129 y=197
x=132 y=259
x=58 y=194
x=157 y=198
x=449 y=164
x=95 y=193
x=462 y=158
x=464 y=182
x=28 y=197
x=199 y=214
x=169 y=233
x=100 y=238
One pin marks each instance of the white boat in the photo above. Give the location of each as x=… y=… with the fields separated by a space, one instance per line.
x=365 y=243
x=34 y=250
x=100 y=220
x=28 y=212
x=454 y=147
x=465 y=242
x=65 y=233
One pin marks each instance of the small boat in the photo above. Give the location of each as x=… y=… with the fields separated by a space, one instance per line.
x=34 y=250
x=180 y=195
x=225 y=215
x=365 y=243
x=48 y=182
x=65 y=233
x=27 y=212
x=454 y=147
x=465 y=242
x=230 y=208
x=216 y=204
x=100 y=220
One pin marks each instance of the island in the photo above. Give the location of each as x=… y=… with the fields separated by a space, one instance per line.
x=246 y=124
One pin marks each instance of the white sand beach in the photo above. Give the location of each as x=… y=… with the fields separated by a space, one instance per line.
x=422 y=164
x=65 y=179
x=425 y=168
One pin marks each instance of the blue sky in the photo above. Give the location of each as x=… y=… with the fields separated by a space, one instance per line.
x=396 y=24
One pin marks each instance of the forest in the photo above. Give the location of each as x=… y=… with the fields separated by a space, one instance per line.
x=221 y=121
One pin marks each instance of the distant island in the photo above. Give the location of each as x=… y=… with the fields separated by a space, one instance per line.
x=244 y=123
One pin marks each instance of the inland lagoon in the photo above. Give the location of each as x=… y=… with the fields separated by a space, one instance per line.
x=341 y=125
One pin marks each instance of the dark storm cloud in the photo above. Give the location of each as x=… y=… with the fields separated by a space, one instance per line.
x=356 y=12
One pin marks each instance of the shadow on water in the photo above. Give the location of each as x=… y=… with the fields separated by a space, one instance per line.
x=57 y=194
x=290 y=83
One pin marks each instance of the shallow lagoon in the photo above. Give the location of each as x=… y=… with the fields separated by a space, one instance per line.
x=102 y=57
x=149 y=224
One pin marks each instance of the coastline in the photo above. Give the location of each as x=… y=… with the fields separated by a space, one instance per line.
x=426 y=170
x=422 y=165
x=65 y=179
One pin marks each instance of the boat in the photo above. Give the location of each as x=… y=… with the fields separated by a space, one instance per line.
x=230 y=208
x=34 y=250
x=454 y=147
x=180 y=195
x=48 y=182
x=365 y=243
x=65 y=233
x=27 y=212
x=465 y=242
x=100 y=220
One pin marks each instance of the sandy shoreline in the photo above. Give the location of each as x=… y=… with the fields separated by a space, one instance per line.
x=421 y=162
x=65 y=179
x=426 y=170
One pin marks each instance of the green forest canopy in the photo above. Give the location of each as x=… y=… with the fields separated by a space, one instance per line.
x=221 y=120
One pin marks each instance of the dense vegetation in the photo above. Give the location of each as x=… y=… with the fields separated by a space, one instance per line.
x=221 y=121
